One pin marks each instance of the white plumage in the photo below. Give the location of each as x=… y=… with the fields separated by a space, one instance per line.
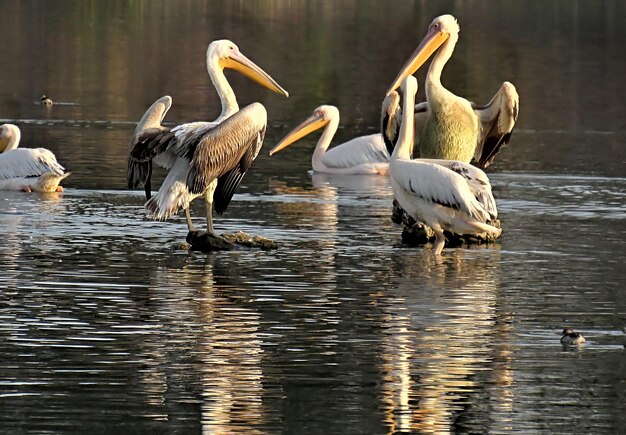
x=448 y=126
x=432 y=192
x=27 y=169
x=362 y=155
x=185 y=149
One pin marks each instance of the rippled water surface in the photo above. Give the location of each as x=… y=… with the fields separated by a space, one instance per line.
x=107 y=325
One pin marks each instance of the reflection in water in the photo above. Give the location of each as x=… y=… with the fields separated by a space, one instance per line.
x=231 y=356
x=226 y=346
x=303 y=207
x=104 y=328
x=439 y=341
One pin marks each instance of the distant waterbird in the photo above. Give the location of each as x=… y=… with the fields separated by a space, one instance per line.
x=571 y=338
x=45 y=101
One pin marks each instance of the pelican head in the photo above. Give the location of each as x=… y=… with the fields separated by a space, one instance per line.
x=440 y=30
x=226 y=55
x=321 y=116
x=9 y=137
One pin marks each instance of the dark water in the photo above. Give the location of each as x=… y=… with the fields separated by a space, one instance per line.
x=105 y=327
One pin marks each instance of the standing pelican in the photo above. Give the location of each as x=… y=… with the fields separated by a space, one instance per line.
x=203 y=158
x=448 y=126
x=435 y=194
x=27 y=169
x=362 y=155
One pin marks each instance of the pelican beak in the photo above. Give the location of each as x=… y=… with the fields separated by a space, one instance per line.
x=311 y=124
x=241 y=63
x=431 y=42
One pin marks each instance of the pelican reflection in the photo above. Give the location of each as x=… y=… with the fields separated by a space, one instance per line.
x=438 y=349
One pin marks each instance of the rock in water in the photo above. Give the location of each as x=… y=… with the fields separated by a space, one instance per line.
x=415 y=233
x=202 y=241
x=245 y=239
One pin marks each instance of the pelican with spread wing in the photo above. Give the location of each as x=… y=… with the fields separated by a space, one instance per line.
x=448 y=126
x=443 y=194
x=27 y=169
x=206 y=159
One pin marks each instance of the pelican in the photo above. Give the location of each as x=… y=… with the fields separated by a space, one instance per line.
x=362 y=155
x=203 y=158
x=448 y=126
x=27 y=169
x=432 y=191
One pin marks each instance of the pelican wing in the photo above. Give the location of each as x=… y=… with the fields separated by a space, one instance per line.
x=226 y=152
x=152 y=142
x=357 y=151
x=391 y=116
x=477 y=181
x=147 y=145
x=28 y=162
x=497 y=120
x=438 y=184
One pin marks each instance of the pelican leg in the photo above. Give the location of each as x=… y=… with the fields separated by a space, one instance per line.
x=190 y=226
x=208 y=198
x=440 y=241
x=209 y=218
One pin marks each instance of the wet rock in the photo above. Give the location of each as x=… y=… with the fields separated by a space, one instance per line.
x=247 y=240
x=415 y=233
x=181 y=246
x=202 y=241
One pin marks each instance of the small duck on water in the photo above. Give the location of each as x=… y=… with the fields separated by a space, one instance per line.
x=45 y=101
x=571 y=338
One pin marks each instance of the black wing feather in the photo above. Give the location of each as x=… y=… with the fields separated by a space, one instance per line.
x=148 y=145
x=491 y=146
x=228 y=183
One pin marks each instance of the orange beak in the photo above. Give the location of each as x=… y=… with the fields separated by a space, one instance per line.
x=431 y=42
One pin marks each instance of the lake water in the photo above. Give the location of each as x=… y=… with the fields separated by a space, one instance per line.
x=105 y=327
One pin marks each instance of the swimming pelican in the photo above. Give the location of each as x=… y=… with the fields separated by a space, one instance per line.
x=27 y=169
x=204 y=158
x=362 y=155
x=435 y=194
x=448 y=126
